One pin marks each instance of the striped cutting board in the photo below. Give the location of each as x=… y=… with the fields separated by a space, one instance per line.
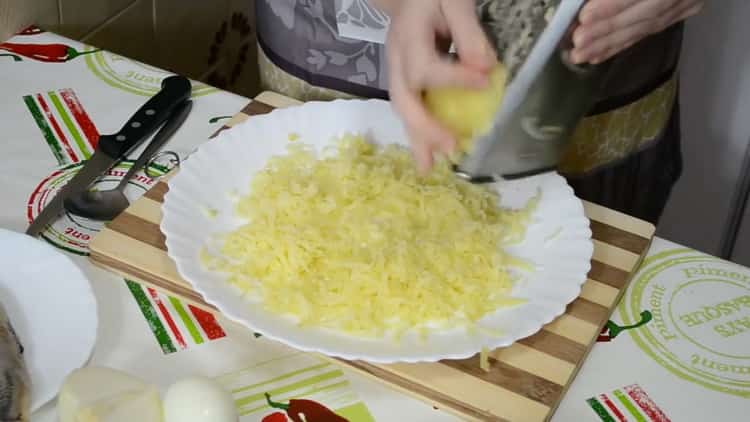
x=526 y=381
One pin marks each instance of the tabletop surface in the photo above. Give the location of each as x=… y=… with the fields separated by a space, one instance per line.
x=676 y=348
x=528 y=378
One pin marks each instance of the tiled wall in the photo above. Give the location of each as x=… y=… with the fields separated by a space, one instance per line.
x=209 y=40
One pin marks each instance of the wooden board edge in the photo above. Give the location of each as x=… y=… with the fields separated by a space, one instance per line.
x=367 y=369
x=586 y=353
x=131 y=273
x=387 y=378
x=276 y=100
x=628 y=222
x=370 y=371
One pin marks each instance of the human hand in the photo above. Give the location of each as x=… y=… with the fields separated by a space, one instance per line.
x=607 y=27
x=415 y=63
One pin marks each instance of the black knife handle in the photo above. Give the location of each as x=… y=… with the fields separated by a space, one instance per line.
x=174 y=91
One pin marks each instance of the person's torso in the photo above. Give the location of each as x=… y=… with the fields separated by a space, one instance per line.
x=301 y=37
x=301 y=43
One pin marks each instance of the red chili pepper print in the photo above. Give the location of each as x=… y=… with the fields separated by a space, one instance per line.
x=604 y=336
x=13 y=56
x=275 y=417
x=300 y=410
x=49 y=53
x=32 y=30
x=612 y=330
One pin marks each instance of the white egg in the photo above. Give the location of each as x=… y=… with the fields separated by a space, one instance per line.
x=198 y=399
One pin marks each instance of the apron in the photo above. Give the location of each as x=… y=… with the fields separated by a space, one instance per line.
x=625 y=154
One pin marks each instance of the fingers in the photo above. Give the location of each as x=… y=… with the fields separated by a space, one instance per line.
x=599 y=41
x=426 y=135
x=603 y=26
x=696 y=7
x=603 y=48
x=445 y=74
x=598 y=10
x=416 y=64
x=472 y=45
x=610 y=26
x=684 y=11
x=427 y=67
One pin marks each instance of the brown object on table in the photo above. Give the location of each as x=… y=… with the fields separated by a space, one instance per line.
x=526 y=381
x=15 y=16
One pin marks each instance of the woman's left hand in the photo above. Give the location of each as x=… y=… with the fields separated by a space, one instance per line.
x=607 y=27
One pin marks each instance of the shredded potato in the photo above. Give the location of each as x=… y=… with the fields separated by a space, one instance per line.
x=484 y=359
x=357 y=241
x=467 y=112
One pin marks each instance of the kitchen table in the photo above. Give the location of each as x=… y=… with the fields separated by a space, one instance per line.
x=677 y=348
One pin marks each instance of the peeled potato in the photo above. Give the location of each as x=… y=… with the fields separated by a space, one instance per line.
x=466 y=112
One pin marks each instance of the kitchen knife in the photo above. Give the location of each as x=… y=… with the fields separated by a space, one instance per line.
x=113 y=148
x=545 y=100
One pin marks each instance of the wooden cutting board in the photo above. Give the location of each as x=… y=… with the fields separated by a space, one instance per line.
x=526 y=381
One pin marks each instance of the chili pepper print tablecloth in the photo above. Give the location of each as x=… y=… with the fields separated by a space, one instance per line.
x=677 y=348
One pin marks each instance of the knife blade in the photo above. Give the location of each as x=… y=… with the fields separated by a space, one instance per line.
x=175 y=90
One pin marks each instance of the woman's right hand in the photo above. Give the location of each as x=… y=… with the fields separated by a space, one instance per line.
x=415 y=63
x=607 y=27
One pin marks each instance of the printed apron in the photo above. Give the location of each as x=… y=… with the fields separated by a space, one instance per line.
x=625 y=154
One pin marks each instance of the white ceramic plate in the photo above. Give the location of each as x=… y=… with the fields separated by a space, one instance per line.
x=52 y=308
x=558 y=240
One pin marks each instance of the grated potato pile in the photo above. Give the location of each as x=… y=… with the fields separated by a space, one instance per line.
x=357 y=241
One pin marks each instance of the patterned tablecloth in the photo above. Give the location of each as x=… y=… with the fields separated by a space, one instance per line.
x=677 y=348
